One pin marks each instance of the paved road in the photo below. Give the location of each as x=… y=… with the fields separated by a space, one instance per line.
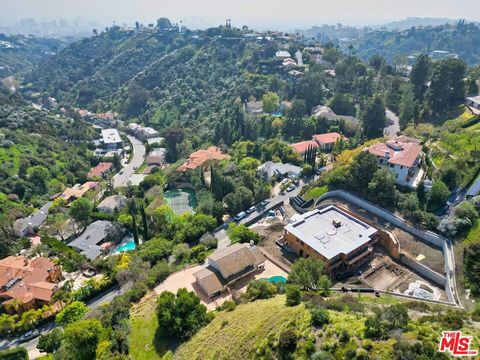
x=394 y=128
x=137 y=160
x=31 y=345
x=221 y=235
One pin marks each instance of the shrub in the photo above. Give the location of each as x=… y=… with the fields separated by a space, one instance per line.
x=181 y=252
x=19 y=353
x=287 y=342
x=294 y=295
x=71 y=313
x=260 y=289
x=227 y=306
x=209 y=241
x=344 y=336
x=158 y=273
x=181 y=315
x=319 y=316
x=199 y=253
x=51 y=341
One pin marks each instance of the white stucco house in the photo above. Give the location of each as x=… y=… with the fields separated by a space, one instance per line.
x=403 y=156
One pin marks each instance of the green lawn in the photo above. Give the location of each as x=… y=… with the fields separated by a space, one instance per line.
x=315 y=192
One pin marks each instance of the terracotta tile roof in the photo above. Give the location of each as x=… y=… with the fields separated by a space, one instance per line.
x=301 y=147
x=198 y=158
x=328 y=138
x=33 y=278
x=99 y=170
x=398 y=152
x=78 y=191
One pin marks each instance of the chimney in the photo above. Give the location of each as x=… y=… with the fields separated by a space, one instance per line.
x=387 y=154
x=336 y=223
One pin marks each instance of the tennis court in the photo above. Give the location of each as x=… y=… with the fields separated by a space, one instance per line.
x=181 y=200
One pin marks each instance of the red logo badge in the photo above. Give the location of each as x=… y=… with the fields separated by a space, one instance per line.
x=456 y=344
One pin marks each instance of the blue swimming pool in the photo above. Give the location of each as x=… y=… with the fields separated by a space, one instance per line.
x=129 y=246
x=276 y=279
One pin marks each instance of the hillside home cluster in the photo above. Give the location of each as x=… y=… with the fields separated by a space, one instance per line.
x=402 y=156
x=338 y=238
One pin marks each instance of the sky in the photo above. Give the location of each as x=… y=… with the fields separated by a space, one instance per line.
x=261 y=14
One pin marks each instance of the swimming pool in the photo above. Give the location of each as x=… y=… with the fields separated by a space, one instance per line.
x=277 y=279
x=129 y=246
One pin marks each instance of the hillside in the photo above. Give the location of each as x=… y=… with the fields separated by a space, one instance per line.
x=462 y=39
x=250 y=330
x=18 y=54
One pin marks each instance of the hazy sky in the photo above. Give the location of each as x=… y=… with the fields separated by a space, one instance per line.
x=255 y=13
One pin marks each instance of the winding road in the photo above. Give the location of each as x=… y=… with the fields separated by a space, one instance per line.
x=121 y=178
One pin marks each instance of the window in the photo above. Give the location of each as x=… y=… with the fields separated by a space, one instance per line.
x=392 y=165
x=401 y=167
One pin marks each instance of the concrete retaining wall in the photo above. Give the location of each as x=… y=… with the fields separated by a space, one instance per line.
x=426 y=235
x=423 y=270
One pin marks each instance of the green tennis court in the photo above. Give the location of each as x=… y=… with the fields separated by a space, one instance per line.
x=181 y=200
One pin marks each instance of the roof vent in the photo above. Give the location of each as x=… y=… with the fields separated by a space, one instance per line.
x=336 y=223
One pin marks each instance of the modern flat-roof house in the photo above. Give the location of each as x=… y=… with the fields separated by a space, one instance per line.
x=203 y=157
x=111 y=139
x=282 y=55
x=90 y=241
x=145 y=133
x=324 y=142
x=333 y=235
x=274 y=170
x=403 y=156
x=23 y=227
x=227 y=266
x=31 y=282
x=100 y=170
x=473 y=101
x=111 y=204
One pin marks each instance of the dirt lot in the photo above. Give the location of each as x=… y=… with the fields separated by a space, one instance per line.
x=433 y=256
x=271 y=233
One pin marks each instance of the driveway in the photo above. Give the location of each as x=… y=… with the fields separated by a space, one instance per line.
x=185 y=279
x=137 y=160
x=221 y=235
x=394 y=128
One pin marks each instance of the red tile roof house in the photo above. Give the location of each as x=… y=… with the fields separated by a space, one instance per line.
x=403 y=156
x=99 y=170
x=323 y=141
x=32 y=282
x=202 y=158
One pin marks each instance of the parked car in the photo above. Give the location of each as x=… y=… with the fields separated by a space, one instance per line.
x=320 y=170
x=265 y=202
x=121 y=172
x=291 y=188
x=29 y=335
x=134 y=168
x=251 y=209
x=240 y=216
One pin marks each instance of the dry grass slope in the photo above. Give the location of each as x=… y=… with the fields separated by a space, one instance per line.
x=235 y=335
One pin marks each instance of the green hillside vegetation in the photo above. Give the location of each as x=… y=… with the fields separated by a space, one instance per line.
x=252 y=329
x=462 y=39
x=24 y=52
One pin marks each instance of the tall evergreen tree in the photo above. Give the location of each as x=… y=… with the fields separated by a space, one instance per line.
x=144 y=222
x=406 y=105
x=420 y=75
x=373 y=117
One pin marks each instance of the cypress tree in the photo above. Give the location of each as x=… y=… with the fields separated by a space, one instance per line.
x=144 y=223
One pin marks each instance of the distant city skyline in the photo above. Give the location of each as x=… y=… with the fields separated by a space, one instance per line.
x=261 y=14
